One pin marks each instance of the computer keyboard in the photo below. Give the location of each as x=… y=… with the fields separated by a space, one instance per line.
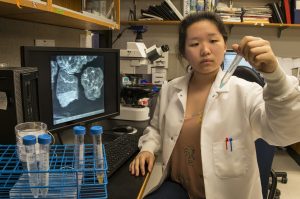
x=120 y=150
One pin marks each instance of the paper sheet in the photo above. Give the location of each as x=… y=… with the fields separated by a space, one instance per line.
x=296 y=63
x=3 y=101
x=286 y=64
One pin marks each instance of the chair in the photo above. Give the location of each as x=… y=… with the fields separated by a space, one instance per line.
x=264 y=152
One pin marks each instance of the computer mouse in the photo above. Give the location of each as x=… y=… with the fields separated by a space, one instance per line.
x=123 y=129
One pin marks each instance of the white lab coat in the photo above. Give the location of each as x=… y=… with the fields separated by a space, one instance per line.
x=241 y=110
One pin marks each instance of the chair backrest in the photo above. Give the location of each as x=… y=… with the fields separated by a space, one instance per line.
x=249 y=74
x=265 y=154
x=264 y=151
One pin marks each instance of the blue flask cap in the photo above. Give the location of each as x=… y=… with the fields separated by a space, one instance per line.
x=29 y=140
x=95 y=130
x=44 y=139
x=79 y=130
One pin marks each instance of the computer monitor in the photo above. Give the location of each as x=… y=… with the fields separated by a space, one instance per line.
x=75 y=85
x=228 y=58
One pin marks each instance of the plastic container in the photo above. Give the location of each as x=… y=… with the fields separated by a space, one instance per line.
x=96 y=132
x=44 y=140
x=29 y=142
x=79 y=132
x=97 y=7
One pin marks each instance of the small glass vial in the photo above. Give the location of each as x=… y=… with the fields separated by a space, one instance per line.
x=29 y=142
x=96 y=132
x=44 y=140
x=79 y=132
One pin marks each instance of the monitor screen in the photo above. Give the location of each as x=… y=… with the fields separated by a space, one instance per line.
x=228 y=58
x=75 y=85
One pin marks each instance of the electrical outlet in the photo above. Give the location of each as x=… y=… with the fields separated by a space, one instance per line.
x=44 y=42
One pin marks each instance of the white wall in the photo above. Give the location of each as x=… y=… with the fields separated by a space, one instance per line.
x=14 y=34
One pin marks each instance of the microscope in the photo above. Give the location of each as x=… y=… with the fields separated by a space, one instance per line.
x=143 y=71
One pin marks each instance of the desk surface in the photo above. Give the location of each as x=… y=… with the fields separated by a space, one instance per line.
x=122 y=184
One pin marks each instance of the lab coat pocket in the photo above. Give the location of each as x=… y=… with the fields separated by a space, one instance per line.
x=230 y=163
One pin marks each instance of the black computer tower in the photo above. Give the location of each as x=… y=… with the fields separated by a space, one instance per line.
x=102 y=39
x=18 y=100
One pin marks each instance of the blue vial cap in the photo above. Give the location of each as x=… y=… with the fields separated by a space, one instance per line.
x=155 y=89
x=79 y=130
x=95 y=130
x=143 y=81
x=44 y=139
x=29 y=140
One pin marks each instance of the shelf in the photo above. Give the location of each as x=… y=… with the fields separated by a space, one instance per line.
x=150 y=22
x=48 y=13
x=157 y=22
x=280 y=27
x=230 y=25
x=276 y=25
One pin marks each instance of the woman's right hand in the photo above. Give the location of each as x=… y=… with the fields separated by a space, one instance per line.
x=137 y=165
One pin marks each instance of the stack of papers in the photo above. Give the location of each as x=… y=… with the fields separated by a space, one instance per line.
x=229 y=14
x=260 y=14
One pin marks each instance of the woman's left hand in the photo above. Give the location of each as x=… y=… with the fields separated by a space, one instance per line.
x=258 y=53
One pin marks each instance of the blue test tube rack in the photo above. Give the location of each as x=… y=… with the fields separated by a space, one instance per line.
x=63 y=178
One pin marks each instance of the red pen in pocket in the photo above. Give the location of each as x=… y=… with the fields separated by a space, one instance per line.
x=226 y=141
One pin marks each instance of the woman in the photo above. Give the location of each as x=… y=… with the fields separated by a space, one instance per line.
x=204 y=133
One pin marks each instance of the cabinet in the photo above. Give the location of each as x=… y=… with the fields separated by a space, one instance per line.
x=59 y=13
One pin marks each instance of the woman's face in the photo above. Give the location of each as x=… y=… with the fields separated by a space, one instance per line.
x=204 y=47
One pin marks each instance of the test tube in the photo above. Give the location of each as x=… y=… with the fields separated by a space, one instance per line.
x=29 y=141
x=234 y=64
x=96 y=132
x=44 y=140
x=79 y=132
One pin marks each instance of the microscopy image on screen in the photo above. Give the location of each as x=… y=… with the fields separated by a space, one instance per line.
x=77 y=87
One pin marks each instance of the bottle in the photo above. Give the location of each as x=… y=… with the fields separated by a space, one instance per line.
x=102 y=7
x=29 y=141
x=44 y=140
x=193 y=6
x=96 y=132
x=79 y=132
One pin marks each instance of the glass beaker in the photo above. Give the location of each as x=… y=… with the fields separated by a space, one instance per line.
x=28 y=128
